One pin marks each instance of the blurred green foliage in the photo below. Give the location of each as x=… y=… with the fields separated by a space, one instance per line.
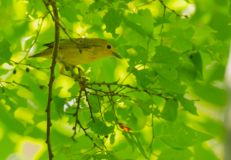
x=180 y=60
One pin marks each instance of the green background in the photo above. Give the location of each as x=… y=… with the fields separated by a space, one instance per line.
x=177 y=50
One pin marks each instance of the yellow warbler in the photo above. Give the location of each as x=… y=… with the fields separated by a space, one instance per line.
x=87 y=51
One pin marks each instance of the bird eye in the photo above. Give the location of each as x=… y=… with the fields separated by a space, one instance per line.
x=108 y=46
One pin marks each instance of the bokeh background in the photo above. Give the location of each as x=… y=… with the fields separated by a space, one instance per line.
x=26 y=25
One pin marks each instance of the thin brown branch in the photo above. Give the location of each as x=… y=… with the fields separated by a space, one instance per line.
x=145 y=4
x=76 y=115
x=89 y=105
x=52 y=76
x=112 y=103
x=36 y=37
x=162 y=26
x=86 y=134
x=162 y=2
x=19 y=63
x=99 y=103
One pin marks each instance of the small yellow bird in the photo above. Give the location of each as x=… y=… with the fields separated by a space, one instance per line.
x=87 y=51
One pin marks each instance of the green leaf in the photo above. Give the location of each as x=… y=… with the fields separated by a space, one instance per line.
x=112 y=138
x=202 y=32
x=129 y=140
x=189 y=32
x=161 y=20
x=137 y=111
x=98 y=4
x=174 y=86
x=128 y=117
x=101 y=128
x=204 y=151
x=174 y=32
x=136 y=27
x=187 y=73
x=210 y=93
x=83 y=142
x=68 y=11
x=74 y=89
x=188 y=105
x=229 y=10
x=3 y=71
x=182 y=44
x=156 y=112
x=139 y=55
x=170 y=110
x=93 y=100
x=5 y=53
x=166 y=56
x=59 y=105
x=23 y=85
x=165 y=70
x=146 y=20
x=197 y=61
x=173 y=154
x=109 y=116
x=179 y=136
x=146 y=106
x=112 y=20
x=144 y=77
x=104 y=156
x=122 y=5
x=136 y=139
x=13 y=98
x=61 y=156
x=122 y=50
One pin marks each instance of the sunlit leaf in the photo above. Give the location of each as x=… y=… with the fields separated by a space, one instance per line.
x=170 y=110
x=112 y=20
x=101 y=128
x=59 y=105
x=174 y=154
x=5 y=53
x=179 y=136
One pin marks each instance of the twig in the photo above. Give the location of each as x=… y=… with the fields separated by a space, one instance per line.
x=99 y=103
x=52 y=76
x=36 y=37
x=27 y=65
x=89 y=105
x=22 y=85
x=112 y=104
x=153 y=83
x=153 y=136
x=127 y=77
x=161 y=1
x=76 y=115
x=86 y=134
x=145 y=4
x=162 y=26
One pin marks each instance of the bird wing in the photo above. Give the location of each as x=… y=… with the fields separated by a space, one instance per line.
x=83 y=43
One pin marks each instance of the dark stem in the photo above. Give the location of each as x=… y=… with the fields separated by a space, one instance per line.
x=89 y=105
x=52 y=77
x=76 y=115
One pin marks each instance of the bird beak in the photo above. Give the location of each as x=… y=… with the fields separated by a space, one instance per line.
x=118 y=56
